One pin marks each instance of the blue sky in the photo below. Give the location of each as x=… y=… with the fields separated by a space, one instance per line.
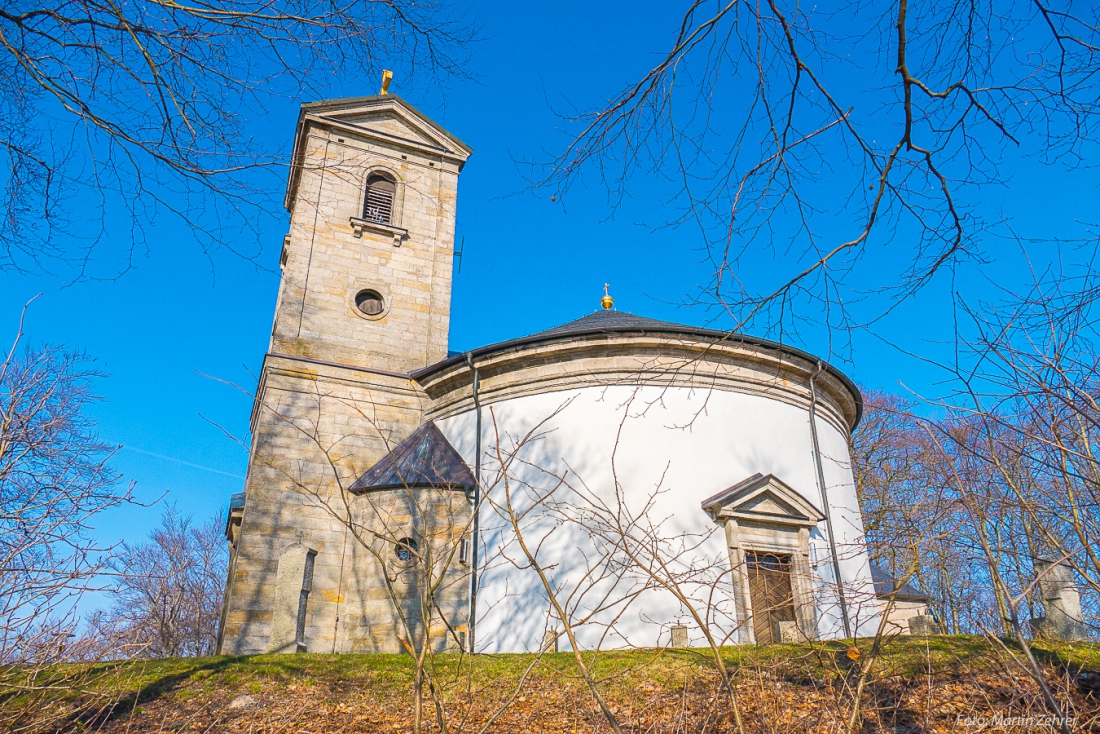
x=178 y=330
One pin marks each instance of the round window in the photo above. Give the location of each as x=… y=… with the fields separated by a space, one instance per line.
x=370 y=303
x=405 y=549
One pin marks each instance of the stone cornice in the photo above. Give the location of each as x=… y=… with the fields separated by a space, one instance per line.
x=663 y=360
x=445 y=146
x=359 y=225
x=312 y=370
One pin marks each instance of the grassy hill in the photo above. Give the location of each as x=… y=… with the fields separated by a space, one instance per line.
x=914 y=685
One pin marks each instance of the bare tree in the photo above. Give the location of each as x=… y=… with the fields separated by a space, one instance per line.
x=1007 y=604
x=168 y=596
x=1028 y=395
x=54 y=480
x=1007 y=468
x=851 y=142
x=142 y=108
x=912 y=515
x=531 y=511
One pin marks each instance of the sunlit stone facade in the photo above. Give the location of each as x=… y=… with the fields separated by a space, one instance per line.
x=726 y=454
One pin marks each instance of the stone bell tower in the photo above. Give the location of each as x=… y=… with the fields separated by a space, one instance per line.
x=367 y=263
x=364 y=299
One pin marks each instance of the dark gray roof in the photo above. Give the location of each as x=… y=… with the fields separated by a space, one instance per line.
x=424 y=459
x=610 y=321
x=236 y=500
x=886 y=586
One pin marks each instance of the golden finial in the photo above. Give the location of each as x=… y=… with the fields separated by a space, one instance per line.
x=607 y=301
x=387 y=75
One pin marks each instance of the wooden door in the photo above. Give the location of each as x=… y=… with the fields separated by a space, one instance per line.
x=769 y=593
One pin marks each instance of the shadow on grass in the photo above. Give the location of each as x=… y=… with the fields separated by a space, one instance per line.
x=87 y=696
x=91 y=696
x=100 y=707
x=157 y=678
x=1071 y=658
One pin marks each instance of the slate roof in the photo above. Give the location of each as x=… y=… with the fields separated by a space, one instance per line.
x=424 y=459
x=610 y=321
x=886 y=586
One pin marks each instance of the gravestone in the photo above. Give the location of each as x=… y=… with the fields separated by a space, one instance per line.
x=788 y=633
x=293 y=582
x=1063 y=620
x=922 y=624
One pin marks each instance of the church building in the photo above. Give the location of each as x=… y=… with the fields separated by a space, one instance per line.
x=614 y=481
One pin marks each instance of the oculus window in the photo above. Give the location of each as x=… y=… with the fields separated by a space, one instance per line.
x=370 y=303
x=405 y=549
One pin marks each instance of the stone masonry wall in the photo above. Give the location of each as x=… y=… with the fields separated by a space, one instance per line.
x=333 y=401
x=313 y=425
x=326 y=264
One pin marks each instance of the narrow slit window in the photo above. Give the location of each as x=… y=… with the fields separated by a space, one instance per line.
x=378 y=203
x=307 y=586
x=464 y=551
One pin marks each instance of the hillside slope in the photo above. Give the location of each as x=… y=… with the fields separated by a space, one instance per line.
x=914 y=685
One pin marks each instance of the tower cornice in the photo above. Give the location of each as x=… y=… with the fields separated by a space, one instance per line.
x=348 y=115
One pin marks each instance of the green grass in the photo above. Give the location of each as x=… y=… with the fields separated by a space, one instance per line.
x=627 y=672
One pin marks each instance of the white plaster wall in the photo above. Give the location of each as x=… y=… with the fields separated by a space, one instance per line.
x=855 y=568
x=645 y=457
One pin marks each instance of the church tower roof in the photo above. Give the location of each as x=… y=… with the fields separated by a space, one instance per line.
x=424 y=459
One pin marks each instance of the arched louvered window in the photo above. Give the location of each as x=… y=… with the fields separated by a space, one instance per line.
x=378 y=203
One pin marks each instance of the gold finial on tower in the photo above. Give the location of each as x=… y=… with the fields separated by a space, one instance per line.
x=607 y=301
x=387 y=76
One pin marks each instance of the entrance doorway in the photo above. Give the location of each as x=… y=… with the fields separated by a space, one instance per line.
x=769 y=593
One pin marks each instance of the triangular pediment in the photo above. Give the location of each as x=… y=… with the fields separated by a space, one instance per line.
x=766 y=503
x=390 y=118
x=390 y=124
x=763 y=498
x=385 y=119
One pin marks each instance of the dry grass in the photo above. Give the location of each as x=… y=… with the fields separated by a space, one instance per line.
x=917 y=685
